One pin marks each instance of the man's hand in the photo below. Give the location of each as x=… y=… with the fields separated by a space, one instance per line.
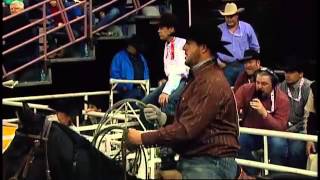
x=134 y=136
x=161 y=82
x=310 y=148
x=163 y=99
x=258 y=106
x=153 y=113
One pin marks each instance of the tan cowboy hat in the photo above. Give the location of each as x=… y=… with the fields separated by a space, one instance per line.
x=230 y=9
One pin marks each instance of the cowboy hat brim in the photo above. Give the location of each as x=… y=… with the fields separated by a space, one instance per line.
x=231 y=13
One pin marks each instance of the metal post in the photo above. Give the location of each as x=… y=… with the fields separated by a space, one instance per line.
x=189 y=10
x=265 y=153
x=85 y=106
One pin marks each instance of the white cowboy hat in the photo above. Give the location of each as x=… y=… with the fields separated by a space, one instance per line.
x=230 y=9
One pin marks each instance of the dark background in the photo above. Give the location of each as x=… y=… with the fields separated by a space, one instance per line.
x=284 y=28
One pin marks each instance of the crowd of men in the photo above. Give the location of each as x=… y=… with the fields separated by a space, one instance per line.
x=215 y=83
x=224 y=79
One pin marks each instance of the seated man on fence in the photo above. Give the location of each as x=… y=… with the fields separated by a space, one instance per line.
x=297 y=88
x=130 y=64
x=252 y=64
x=66 y=112
x=264 y=106
x=24 y=54
x=92 y=107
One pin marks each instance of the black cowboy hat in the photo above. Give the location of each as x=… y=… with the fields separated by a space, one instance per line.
x=208 y=34
x=250 y=54
x=168 y=20
x=67 y=106
x=292 y=63
x=137 y=42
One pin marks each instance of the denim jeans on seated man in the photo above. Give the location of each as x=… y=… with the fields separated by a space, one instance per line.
x=174 y=98
x=296 y=154
x=278 y=149
x=134 y=93
x=111 y=15
x=208 y=167
x=232 y=70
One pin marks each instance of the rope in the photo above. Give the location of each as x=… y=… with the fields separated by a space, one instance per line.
x=125 y=145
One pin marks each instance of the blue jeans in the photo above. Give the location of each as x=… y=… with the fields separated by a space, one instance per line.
x=111 y=15
x=174 y=98
x=281 y=151
x=208 y=167
x=297 y=154
x=134 y=93
x=232 y=70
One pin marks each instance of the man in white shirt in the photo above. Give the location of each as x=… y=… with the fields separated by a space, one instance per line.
x=168 y=93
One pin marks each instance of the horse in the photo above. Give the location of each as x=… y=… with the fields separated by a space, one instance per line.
x=42 y=149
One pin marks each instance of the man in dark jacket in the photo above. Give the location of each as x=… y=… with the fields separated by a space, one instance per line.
x=205 y=128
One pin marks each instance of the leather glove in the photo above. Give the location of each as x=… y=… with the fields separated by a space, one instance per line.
x=154 y=114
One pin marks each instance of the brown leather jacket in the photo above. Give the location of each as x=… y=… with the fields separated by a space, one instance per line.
x=206 y=121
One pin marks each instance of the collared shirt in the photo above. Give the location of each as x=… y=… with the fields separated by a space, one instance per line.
x=298 y=99
x=174 y=64
x=276 y=120
x=242 y=39
x=206 y=121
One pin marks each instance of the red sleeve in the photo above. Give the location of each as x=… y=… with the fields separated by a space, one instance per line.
x=238 y=82
x=279 y=119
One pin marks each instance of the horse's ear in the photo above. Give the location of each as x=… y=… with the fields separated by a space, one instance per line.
x=25 y=114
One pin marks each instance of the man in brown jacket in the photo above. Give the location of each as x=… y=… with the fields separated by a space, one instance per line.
x=205 y=128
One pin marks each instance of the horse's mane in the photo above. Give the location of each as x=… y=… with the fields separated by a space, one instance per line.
x=104 y=166
x=75 y=137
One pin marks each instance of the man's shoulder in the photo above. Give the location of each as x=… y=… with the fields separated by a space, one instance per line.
x=283 y=85
x=281 y=95
x=222 y=24
x=247 y=86
x=243 y=23
x=213 y=75
x=120 y=53
x=307 y=82
x=242 y=75
x=180 y=41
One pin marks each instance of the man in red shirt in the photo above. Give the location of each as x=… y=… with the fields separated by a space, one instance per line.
x=252 y=64
x=263 y=106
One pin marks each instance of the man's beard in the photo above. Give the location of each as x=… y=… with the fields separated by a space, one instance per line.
x=260 y=95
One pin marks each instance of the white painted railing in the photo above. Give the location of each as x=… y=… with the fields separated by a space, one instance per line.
x=262 y=132
x=287 y=135
x=145 y=85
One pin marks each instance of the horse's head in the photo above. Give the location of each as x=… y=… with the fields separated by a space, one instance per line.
x=30 y=122
x=26 y=156
x=34 y=154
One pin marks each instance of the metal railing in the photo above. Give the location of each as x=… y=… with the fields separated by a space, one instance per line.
x=145 y=85
x=262 y=132
x=88 y=10
x=66 y=24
